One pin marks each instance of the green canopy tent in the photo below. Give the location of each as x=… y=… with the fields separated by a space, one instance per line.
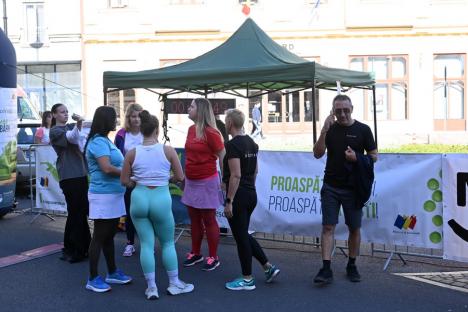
x=248 y=61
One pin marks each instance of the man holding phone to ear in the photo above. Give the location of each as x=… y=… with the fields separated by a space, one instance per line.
x=345 y=141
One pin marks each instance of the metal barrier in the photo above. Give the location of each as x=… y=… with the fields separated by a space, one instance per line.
x=393 y=250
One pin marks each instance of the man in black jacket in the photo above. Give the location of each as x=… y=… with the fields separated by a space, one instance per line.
x=345 y=141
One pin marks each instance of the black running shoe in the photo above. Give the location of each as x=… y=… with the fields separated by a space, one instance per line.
x=324 y=276
x=352 y=273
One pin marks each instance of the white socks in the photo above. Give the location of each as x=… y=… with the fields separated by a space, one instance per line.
x=150 y=279
x=173 y=277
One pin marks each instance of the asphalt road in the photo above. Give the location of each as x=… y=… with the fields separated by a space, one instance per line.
x=48 y=284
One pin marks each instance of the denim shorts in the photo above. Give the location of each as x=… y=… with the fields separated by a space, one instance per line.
x=333 y=198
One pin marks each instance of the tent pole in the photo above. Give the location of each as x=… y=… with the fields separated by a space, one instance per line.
x=375 y=114
x=105 y=96
x=165 y=117
x=206 y=92
x=314 y=123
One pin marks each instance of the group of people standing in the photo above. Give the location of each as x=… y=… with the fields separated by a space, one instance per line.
x=131 y=177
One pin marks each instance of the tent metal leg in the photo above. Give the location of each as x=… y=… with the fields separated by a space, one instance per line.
x=41 y=214
x=390 y=256
x=179 y=235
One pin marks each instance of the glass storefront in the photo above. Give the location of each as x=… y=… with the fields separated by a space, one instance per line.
x=50 y=83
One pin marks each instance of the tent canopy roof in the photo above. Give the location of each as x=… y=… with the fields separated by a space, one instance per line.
x=250 y=60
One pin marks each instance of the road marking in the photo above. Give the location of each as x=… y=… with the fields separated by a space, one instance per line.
x=426 y=278
x=30 y=255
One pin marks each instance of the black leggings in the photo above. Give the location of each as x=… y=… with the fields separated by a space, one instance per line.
x=244 y=203
x=76 y=236
x=129 y=227
x=103 y=239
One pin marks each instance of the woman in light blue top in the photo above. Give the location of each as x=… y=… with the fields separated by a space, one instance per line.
x=106 y=198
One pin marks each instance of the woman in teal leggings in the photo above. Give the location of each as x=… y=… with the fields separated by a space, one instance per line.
x=148 y=167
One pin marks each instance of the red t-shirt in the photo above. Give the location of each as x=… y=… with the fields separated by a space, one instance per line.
x=201 y=154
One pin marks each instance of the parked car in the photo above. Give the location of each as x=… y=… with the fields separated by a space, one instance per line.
x=28 y=122
x=25 y=137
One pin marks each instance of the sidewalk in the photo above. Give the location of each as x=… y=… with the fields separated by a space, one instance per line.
x=48 y=284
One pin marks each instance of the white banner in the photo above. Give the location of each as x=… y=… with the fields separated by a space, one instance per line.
x=405 y=200
x=455 y=168
x=49 y=195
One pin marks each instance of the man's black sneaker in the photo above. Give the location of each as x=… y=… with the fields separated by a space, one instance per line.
x=324 y=276
x=352 y=273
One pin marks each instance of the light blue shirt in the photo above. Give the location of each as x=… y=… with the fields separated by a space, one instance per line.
x=102 y=183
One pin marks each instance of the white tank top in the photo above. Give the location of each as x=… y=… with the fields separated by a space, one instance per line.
x=151 y=167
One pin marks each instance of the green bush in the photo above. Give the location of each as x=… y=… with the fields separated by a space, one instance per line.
x=426 y=148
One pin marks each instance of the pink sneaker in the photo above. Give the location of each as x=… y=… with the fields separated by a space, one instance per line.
x=192 y=259
x=211 y=264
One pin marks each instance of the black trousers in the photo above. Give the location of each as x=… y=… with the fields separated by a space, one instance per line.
x=129 y=227
x=103 y=239
x=76 y=237
x=244 y=203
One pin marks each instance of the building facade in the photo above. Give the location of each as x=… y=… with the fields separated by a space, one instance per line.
x=416 y=49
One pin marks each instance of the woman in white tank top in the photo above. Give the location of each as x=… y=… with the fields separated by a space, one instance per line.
x=147 y=167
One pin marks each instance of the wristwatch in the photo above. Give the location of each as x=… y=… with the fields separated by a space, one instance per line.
x=227 y=201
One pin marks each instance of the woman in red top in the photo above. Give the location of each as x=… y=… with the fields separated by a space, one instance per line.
x=202 y=192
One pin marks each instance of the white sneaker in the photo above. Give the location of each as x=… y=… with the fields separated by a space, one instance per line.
x=180 y=288
x=151 y=293
x=129 y=250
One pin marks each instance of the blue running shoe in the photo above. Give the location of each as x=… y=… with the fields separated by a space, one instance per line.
x=271 y=273
x=118 y=277
x=241 y=284
x=97 y=285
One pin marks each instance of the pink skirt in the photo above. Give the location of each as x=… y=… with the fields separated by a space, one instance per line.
x=203 y=193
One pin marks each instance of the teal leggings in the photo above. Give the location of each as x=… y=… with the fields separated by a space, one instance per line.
x=151 y=211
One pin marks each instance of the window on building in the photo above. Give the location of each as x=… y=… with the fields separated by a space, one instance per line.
x=34 y=24
x=275 y=107
x=292 y=107
x=120 y=100
x=391 y=86
x=47 y=84
x=308 y=105
x=449 y=91
x=117 y=3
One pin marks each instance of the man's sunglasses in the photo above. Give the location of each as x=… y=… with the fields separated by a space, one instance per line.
x=338 y=111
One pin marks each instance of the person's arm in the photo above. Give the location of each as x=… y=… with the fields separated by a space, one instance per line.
x=106 y=166
x=234 y=180
x=73 y=136
x=221 y=155
x=127 y=169
x=319 y=146
x=38 y=136
x=176 y=167
x=373 y=154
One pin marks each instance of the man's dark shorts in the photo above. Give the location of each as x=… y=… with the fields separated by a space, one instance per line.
x=332 y=199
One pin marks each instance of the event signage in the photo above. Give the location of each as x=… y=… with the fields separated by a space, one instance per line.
x=180 y=106
x=405 y=198
x=49 y=195
x=455 y=207
x=410 y=203
x=8 y=126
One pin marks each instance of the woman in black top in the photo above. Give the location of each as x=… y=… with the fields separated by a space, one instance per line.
x=240 y=172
